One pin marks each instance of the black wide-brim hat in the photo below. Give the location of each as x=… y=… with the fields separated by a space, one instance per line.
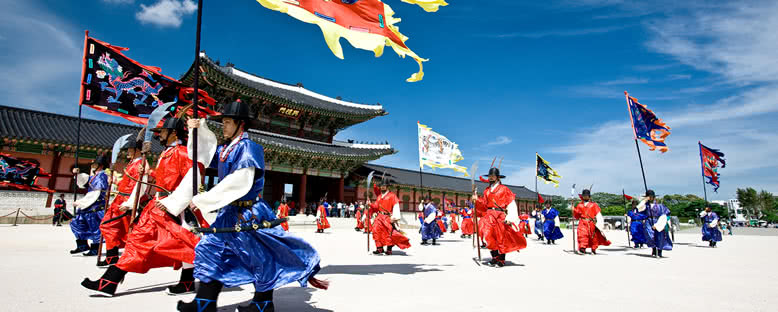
x=494 y=172
x=102 y=160
x=171 y=123
x=586 y=193
x=237 y=110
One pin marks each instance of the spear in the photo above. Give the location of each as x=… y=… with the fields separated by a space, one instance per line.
x=367 y=218
x=624 y=197
x=475 y=213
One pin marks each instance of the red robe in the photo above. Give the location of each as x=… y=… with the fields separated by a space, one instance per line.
x=283 y=212
x=322 y=223
x=454 y=225
x=439 y=221
x=115 y=233
x=498 y=236
x=384 y=233
x=524 y=225
x=468 y=227
x=360 y=224
x=157 y=240
x=588 y=234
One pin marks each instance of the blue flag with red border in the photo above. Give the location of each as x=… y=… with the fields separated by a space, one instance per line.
x=647 y=126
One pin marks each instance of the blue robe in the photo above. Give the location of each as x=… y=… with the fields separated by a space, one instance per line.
x=550 y=229
x=431 y=230
x=655 y=239
x=86 y=224
x=538 y=224
x=636 y=227
x=710 y=233
x=267 y=258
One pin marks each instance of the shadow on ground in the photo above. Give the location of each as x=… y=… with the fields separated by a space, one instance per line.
x=295 y=299
x=375 y=269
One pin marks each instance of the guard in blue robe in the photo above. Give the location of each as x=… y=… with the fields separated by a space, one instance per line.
x=537 y=214
x=637 y=228
x=657 y=214
x=267 y=258
x=86 y=223
x=429 y=228
x=710 y=229
x=550 y=228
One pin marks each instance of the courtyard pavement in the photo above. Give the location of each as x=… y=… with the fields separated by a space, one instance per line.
x=38 y=274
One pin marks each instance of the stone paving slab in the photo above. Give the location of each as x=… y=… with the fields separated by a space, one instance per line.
x=39 y=275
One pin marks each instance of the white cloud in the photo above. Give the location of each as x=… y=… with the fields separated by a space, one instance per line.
x=166 y=13
x=559 y=33
x=500 y=140
x=625 y=81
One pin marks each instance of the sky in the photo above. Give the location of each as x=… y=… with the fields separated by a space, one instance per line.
x=504 y=78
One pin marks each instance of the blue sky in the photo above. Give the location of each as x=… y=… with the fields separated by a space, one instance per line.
x=505 y=78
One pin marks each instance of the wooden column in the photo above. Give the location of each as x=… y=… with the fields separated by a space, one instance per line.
x=303 y=182
x=340 y=189
x=54 y=173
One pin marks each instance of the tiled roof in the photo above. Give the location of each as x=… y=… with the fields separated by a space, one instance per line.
x=442 y=182
x=293 y=93
x=47 y=127
x=53 y=128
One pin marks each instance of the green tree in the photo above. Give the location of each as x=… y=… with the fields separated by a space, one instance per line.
x=613 y=211
x=766 y=201
x=748 y=199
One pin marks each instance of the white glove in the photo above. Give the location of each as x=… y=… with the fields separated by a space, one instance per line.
x=703 y=214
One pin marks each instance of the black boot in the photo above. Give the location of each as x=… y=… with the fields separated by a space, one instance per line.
x=379 y=251
x=92 y=250
x=582 y=251
x=424 y=242
x=389 y=250
x=659 y=253
x=81 y=246
x=111 y=257
x=107 y=284
x=262 y=302
x=500 y=260
x=594 y=251
x=185 y=285
x=495 y=257
x=433 y=242
x=714 y=244
x=653 y=252
x=205 y=300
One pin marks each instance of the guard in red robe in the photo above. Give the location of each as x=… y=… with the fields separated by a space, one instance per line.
x=439 y=221
x=321 y=217
x=498 y=219
x=115 y=231
x=452 y=214
x=590 y=222
x=158 y=239
x=524 y=224
x=468 y=227
x=385 y=232
x=283 y=212
x=358 y=216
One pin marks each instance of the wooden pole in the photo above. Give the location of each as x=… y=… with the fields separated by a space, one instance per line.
x=195 y=100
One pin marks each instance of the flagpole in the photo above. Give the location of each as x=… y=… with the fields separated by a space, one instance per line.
x=702 y=168
x=643 y=171
x=78 y=132
x=537 y=199
x=195 y=167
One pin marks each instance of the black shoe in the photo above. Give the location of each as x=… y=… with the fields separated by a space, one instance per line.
x=653 y=252
x=262 y=302
x=659 y=253
x=81 y=246
x=92 y=250
x=425 y=243
x=388 y=251
x=379 y=251
x=483 y=245
x=111 y=257
x=434 y=243
x=185 y=285
x=107 y=284
x=582 y=251
x=594 y=252
x=205 y=300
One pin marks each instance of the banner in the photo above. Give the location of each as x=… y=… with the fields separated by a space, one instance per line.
x=647 y=126
x=437 y=151
x=366 y=24
x=545 y=172
x=710 y=159
x=117 y=85
x=21 y=174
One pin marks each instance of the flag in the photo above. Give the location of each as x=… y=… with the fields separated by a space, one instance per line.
x=647 y=127
x=21 y=174
x=117 y=85
x=366 y=24
x=710 y=159
x=545 y=172
x=436 y=151
x=627 y=197
x=540 y=199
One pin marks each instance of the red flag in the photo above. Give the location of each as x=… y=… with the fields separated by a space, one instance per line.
x=540 y=199
x=627 y=197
